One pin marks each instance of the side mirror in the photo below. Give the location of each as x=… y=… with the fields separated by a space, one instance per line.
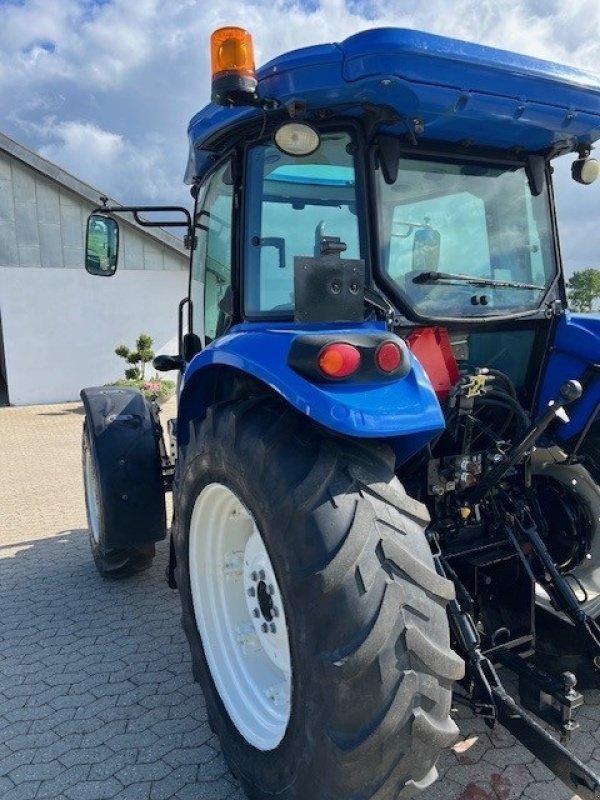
x=426 y=250
x=101 y=245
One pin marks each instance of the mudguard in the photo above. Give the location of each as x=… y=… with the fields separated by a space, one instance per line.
x=406 y=412
x=575 y=348
x=125 y=448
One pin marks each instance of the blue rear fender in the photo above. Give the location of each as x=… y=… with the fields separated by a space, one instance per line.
x=406 y=411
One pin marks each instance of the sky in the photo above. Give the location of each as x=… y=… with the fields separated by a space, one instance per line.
x=106 y=88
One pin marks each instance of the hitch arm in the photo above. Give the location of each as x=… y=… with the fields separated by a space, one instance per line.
x=572 y=772
x=493 y=702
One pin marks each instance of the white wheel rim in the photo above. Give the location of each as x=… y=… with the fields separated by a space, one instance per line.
x=91 y=495
x=240 y=616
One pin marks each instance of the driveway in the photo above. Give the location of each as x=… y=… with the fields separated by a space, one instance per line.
x=96 y=695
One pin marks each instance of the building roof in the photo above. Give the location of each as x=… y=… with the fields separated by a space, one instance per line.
x=83 y=190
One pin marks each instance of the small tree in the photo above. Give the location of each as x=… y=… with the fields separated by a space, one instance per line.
x=139 y=357
x=584 y=289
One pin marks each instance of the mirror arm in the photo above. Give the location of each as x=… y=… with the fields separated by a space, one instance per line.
x=146 y=223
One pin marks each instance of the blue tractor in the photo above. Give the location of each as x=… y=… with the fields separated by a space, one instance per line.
x=386 y=456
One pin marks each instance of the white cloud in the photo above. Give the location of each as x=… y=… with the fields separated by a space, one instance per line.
x=107 y=89
x=100 y=157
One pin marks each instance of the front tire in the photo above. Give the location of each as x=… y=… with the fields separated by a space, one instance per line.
x=110 y=562
x=361 y=707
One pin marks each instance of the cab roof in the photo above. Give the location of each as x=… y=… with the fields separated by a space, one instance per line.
x=457 y=92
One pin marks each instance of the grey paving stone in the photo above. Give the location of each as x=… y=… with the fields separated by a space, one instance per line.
x=35 y=772
x=110 y=765
x=552 y=790
x=133 y=697
x=106 y=733
x=137 y=791
x=72 y=700
x=85 y=755
x=12 y=728
x=159 y=750
x=213 y=769
x=508 y=755
x=94 y=790
x=107 y=689
x=168 y=787
x=136 y=773
x=190 y=755
x=80 y=727
x=126 y=712
x=12 y=704
x=175 y=725
x=125 y=740
x=23 y=791
x=27 y=741
x=147 y=720
x=212 y=790
x=24 y=689
x=66 y=744
x=93 y=708
x=52 y=721
x=28 y=713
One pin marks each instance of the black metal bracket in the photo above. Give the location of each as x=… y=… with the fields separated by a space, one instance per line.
x=555 y=700
x=558 y=587
x=167 y=465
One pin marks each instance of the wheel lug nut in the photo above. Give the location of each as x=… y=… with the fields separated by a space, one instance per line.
x=251 y=591
x=275 y=611
x=270 y=589
x=254 y=576
x=262 y=575
x=264 y=627
x=272 y=627
x=256 y=613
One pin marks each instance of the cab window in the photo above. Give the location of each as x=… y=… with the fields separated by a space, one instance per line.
x=301 y=200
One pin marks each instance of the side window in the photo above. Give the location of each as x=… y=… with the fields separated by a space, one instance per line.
x=210 y=284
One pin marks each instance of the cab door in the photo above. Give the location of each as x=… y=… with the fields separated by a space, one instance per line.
x=211 y=271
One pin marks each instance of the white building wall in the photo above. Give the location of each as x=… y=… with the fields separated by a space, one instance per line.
x=60 y=325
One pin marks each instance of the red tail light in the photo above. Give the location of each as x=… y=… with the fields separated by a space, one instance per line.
x=388 y=357
x=339 y=360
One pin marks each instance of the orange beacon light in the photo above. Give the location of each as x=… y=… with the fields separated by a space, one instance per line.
x=233 y=71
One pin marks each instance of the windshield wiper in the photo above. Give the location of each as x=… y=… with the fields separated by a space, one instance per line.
x=434 y=277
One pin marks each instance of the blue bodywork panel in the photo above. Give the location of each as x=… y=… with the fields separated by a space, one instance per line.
x=458 y=90
x=576 y=345
x=406 y=411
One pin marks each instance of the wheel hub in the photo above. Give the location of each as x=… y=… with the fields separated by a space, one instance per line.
x=263 y=600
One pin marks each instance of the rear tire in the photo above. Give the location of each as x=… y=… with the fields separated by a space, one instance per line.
x=589 y=452
x=371 y=665
x=110 y=562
